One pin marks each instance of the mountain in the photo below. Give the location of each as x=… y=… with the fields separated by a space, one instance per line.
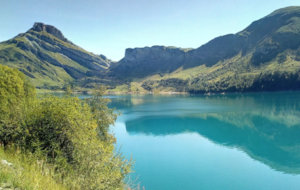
x=263 y=40
x=233 y=62
x=265 y=56
x=49 y=59
x=140 y=62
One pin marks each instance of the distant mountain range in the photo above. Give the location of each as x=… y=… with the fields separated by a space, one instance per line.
x=263 y=57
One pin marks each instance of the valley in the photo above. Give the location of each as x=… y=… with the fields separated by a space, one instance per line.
x=265 y=56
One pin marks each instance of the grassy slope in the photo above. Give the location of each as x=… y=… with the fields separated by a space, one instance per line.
x=26 y=173
x=41 y=73
x=235 y=67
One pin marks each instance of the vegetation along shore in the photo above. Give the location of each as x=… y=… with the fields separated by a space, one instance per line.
x=50 y=142
x=56 y=143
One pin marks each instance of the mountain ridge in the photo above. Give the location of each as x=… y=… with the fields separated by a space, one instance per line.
x=50 y=59
x=268 y=49
x=265 y=51
x=260 y=33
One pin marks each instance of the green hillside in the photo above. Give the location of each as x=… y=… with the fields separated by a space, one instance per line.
x=48 y=59
x=263 y=57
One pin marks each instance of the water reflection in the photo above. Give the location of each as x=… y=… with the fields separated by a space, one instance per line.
x=269 y=142
x=265 y=126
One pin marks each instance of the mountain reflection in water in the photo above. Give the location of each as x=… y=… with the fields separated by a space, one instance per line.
x=264 y=126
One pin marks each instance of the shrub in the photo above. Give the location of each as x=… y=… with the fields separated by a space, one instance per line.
x=69 y=133
x=15 y=93
x=72 y=135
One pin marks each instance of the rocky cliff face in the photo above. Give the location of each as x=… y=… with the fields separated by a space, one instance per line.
x=139 y=62
x=39 y=27
x=155 y=52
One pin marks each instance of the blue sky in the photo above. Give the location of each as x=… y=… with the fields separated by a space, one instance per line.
x=109 y=27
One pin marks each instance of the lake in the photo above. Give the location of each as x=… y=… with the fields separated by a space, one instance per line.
x=189 y=142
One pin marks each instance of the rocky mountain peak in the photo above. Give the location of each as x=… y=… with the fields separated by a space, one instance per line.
x=156 y=52
x=39 y=27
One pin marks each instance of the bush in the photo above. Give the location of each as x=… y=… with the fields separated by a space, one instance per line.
x=15 y=93
x=72 y=135
x=69 y=133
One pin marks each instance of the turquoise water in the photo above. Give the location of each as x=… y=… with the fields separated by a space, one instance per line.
x=182 y=142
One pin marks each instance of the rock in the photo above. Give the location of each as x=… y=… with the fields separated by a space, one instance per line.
x=38 y=26
x=150 y=60
x=4 y=162
x=7 y=186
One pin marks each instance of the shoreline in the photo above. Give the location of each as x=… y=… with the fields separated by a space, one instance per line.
x=163 y=93
x=170 y=92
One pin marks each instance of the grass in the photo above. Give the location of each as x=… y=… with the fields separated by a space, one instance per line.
x=136 y=87
x=46 y=91
x=43 y=73
x=67 y=61
x=26 y=173
x=120 y=88
x=186 y=73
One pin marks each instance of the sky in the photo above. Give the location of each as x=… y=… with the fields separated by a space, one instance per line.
x=108 y=27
